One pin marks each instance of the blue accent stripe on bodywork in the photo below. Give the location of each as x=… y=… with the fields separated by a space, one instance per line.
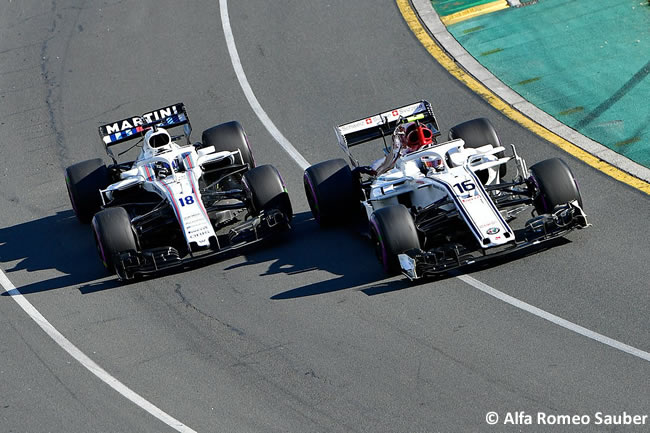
x=468 y=219
x=494 y=208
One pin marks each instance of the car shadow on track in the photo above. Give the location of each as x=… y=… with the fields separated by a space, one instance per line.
x=54 y=243
x=344 y=252
x=311 y=251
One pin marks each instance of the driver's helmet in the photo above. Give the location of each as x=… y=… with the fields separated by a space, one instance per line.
x=417 y=136
x=433 y=162
x=157 y=140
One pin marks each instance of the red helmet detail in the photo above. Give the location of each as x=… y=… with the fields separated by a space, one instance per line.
x=418 y=136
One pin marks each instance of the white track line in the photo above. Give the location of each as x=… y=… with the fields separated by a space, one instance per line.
x=554 y=319
x=303 y=163
x=252 y=100
x=85 y=361
x=172 y=422
x=81 y=357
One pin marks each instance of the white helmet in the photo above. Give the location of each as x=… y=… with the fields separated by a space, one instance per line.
x=157 y=140
x=433 y=162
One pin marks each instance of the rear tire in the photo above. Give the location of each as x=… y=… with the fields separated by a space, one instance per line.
x=266 y=190
x=393 y=233
x=229 y=136
x=556 y=184
x=476 y=133
x=113 y=234
x=83 y=181
x=332 y=192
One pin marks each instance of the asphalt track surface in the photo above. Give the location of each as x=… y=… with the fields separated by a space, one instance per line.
x=307 y=335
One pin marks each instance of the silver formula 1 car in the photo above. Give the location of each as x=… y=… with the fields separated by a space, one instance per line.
x=178 y=201
x=434 y=206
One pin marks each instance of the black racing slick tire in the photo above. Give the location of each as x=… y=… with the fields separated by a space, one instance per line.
x=113 y=234
x=332 y=192
x=229 y=136
x=555 y=183
x=476 y=133
x=266 y=190
x=83 y=181
x=393 y=232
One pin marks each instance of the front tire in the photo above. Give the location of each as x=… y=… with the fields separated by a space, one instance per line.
x=332 y=192
x=555 y=183
x=113 y=234
x=83 y=182
x=393 y=233
x=476 y=133
x=266 y=190
x=230 y=137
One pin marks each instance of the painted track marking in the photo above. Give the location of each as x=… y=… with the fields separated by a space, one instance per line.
x=303 y=163
x=86 y=362
x=553 y=318
x=144 y=404
x=248 y=91
x=495 y=101
x=75 y=352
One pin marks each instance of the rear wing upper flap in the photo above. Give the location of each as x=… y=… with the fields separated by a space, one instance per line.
x=134 y=127
x=383 y=124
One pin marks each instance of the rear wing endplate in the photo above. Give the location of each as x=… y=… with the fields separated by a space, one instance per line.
x=134 y=127
x=383 y=124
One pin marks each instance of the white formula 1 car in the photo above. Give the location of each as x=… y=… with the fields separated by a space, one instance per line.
x=178 y=201
x=432 y=207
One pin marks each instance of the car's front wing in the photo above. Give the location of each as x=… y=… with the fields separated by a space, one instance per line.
x=130 y=264
x=416 y=263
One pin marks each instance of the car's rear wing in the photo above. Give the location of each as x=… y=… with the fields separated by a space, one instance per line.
x=134 y=127
x=383 y=124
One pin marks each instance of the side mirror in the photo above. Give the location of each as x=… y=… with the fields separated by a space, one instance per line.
x=129 y=173
x=205 y=151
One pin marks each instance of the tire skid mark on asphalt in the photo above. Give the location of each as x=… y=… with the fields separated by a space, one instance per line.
x=303 y=163
x=141 y=402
